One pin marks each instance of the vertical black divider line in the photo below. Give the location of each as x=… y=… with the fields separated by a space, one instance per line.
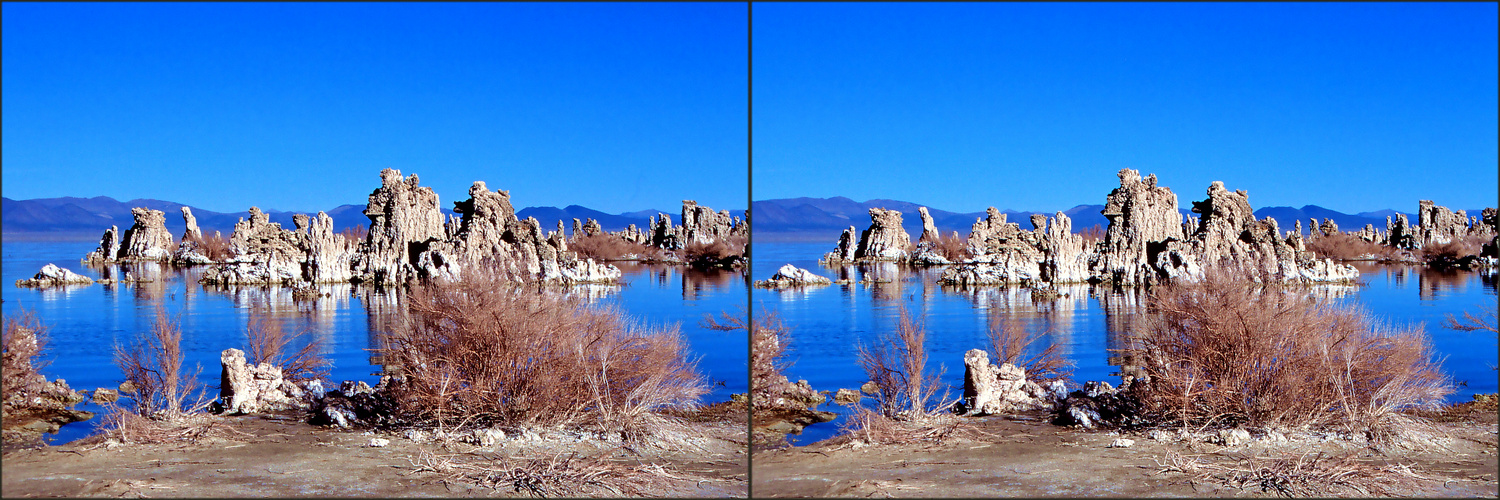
x=749 y=247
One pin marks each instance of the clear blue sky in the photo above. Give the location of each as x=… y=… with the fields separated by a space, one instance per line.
x=1354 y=107
x=296 y=106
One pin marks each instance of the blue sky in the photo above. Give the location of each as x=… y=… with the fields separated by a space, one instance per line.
x=1354 y=107
x=296 y=106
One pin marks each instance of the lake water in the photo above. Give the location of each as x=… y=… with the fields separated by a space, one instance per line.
x=829 y=321
x=87 y=321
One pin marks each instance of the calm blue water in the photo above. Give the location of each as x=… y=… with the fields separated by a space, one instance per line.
x=87 y=321
x=829 y=321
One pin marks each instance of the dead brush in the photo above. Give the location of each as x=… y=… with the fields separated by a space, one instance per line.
x=897 y=366
x=213 y=247
x=485 y=351
x=25 y=337
x=718 y=252
x=604 y=247
x=1093 y=234
x=267 y=341
x=952 y=247
x=1306 y=475
x=562 y=475
x=1453 y=250
x=355 y=234
x=1224 y=352
x=165 y=404
x=770 y=344
x=1345 y=246
x=1010 y=341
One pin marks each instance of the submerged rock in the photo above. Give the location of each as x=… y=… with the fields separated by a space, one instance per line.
x=50 y=275
x=790 y=276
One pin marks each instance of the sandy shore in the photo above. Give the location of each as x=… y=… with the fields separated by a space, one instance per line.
x=1028 y=457
x=276 y=456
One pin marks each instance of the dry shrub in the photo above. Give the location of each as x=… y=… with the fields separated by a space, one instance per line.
x=1009 y=339
x=1458 y=248
x=153 y=366
x=268 y=342
x=165 y=405
x=952 y=247
x=720 y=252
x=1093 y=234
x=897 y=365
x=1225 y=351
x=1307 y=475
x=20 y=371
x=355 y=234
x=770 y=342
x=602 y=247
x=213 y=247
x=1345 y=246
x=1485 y=321
x=483 y=350
x=562 y=475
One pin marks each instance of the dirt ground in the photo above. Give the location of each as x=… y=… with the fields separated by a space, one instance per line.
x=1026 y=456
x=284 y=457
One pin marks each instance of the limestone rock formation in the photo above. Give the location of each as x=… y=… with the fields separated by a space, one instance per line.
x=1400 y=234
x=702 y=225
x=1003 y=253
x=249 y=389
x=929 y=229
x=402 y=216
x=844 y=251
x=191 y=231
x=789 y=276
x=264 y=253
x=1141 y=215
x=885 y=240
x=991 y=390
x=1438 y=225
x=51 y=275
x=109 y=247
x=330 y=256
x=148 y=238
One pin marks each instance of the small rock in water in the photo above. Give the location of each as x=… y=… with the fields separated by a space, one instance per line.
x=869 y=388
x=1122 y=443
x=846 y=397
x=379 y=442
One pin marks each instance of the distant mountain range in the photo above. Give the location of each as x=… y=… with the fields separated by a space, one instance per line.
x=832 y=215
x=94 y=215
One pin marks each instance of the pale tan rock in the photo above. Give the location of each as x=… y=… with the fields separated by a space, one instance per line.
x=147 y=239
x=885 y=240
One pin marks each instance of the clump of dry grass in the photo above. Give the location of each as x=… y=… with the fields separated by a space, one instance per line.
x=166 y=405
x=25 y=337
x=1345 y=246
x=603 y=247
x=562 y=475
x=479 y=349
x=1308 y=475
x=904 y=391
x=268 y=342
x=1223 y=351
x=952 y=247
x=1010 y=340
x=213 y=247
